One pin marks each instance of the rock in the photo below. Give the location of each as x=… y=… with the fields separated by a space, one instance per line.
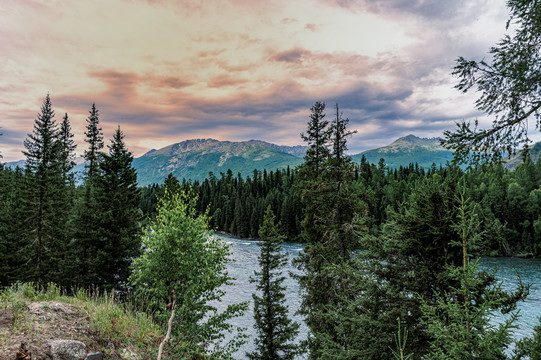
x=95 y=356
x=68 y=350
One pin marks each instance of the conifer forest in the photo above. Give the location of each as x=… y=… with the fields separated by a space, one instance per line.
x=390 y=264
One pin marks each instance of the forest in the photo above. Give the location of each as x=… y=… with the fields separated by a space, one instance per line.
x=390 y=265
x=507 y=202
x=405 y=221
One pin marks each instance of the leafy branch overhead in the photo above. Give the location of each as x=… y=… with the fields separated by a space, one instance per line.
x=510 y=88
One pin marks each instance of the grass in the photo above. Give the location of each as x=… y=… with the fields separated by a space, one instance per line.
x=33 y=315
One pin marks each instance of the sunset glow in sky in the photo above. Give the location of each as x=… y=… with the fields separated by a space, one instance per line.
x=172 y=70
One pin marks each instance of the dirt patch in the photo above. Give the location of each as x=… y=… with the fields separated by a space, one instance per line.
x=39 y=323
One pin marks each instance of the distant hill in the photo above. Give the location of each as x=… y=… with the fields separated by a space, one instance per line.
x=194 y=159
x=15 y=164
x=512 y=162
x=409 y=149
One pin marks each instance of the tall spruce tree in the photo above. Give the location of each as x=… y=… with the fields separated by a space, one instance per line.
x=118 y=199
x=68 y=147
x=330 y=203
x=317 y=137
x=43 y=196
x=94 y=138
x=276 y=332
x=459 y=319
x=309 y=188
x=87 y=236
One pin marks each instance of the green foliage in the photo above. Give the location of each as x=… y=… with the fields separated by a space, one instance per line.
x=530 y=348
x=275 y=331
x=330 y=203
x=111 y=322
x=509 y=87
x=94 y=138
x=458 y=320
x=67 y=148
x=404 y=263
x=44 y=198
x=118 y=201
x=183 y=264
x=401 y=341
x=237 y=204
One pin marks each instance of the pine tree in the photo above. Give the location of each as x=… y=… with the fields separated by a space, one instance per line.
x=94 y=138
x=530 y=348
x=68 y=147
x=14 y=232
x=330 y=201
x=317 y=137
x=118 y=201
x=275 y=331
x=458 y=320
x=44 y=194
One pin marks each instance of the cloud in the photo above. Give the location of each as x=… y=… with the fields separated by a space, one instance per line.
x=291 y=56
x=224 y=80
x=426 y=9
x=240 y=69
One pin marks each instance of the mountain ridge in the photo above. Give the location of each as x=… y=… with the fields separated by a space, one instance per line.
x=195 y=158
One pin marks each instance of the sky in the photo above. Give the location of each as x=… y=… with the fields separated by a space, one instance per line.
x=172 y=70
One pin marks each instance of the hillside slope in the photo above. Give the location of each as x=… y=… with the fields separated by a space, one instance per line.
x=409 y=149
x=194 y=159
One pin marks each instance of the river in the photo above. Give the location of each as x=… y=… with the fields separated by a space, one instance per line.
x=245 y=253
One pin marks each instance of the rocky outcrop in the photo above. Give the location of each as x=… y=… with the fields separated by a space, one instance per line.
x=68 y=350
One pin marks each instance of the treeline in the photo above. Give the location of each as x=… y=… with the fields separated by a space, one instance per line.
x=237 y=204
x=54 y=231
x=508 y=202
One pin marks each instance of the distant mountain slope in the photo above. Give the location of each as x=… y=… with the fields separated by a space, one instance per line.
x=409 y=149
x=15 y=164
x=194 y=159
x=535 y=154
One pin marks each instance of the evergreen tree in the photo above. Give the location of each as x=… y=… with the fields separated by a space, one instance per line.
x=119 y=215
x=172 y=184
x=458 y=320
x=330 y=201
x=339 y=176
x=530 y=348
x=68 y=147
x=94 y=138
x=43 y=196
x=14 y=232
x=317 y=137
x=88 y=241
x=275 y=331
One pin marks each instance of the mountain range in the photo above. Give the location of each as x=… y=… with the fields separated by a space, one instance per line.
x=195 y=159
